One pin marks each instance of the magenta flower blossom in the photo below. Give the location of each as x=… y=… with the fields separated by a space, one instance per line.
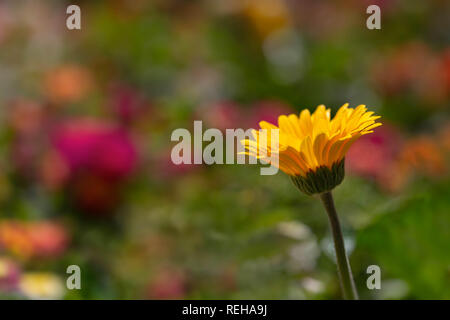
x=96 y=147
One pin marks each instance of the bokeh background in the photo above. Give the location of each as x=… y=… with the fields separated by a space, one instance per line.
x=85 y=171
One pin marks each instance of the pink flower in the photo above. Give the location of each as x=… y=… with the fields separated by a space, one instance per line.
x=99 y=156
x=94 y=146
x=373 y=154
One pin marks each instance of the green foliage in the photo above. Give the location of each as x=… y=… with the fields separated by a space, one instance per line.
x=411 y=243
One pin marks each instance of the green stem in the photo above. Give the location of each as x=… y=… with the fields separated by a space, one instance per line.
x=345 y=273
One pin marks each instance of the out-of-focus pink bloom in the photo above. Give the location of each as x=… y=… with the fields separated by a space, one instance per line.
x=391 y=160
x=90 y=145
x=222 y=115
x=9 y=275
x=33 y=239
x=99 y=157
x=374 y=153
x=269 y=111
x=168 y=284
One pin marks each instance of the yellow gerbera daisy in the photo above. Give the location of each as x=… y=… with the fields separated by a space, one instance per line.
x=312 y=147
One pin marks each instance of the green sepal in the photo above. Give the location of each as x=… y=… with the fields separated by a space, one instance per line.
x=322 y=179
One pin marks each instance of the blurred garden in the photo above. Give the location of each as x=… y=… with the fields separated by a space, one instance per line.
x=86 y=176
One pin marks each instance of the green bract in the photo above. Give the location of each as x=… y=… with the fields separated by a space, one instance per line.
x=322 y=179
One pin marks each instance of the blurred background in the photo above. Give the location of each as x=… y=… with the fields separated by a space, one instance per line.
x=85 y=172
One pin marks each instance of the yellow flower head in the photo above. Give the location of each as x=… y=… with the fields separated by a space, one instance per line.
x=312 y=147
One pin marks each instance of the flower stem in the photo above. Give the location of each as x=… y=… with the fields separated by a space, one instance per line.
x=345 y=273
